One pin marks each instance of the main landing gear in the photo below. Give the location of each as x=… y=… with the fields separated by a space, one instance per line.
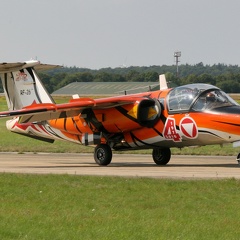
x=103 y=155
x=161 y=156
x=238 y=159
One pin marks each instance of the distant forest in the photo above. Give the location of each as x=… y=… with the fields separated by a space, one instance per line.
x=226 y=77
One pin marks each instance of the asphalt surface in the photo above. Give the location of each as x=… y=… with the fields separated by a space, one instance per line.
x=127 y=165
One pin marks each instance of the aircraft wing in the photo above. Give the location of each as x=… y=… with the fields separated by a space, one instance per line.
x=38 y=112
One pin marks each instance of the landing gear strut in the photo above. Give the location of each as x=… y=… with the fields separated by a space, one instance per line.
x=161 y=156
x=102 y=154
x=238 y=159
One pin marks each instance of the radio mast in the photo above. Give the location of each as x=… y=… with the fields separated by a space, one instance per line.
x=177 y=55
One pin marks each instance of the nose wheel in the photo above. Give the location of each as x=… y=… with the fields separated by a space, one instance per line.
x=103 y=154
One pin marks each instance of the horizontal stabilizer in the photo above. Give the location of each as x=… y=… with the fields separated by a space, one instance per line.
x=10 y=67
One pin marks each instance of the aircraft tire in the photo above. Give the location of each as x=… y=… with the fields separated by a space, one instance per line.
x=161 y=156
x=103 y=154
x=238 y=159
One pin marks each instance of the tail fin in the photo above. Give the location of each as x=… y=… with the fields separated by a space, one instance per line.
x=21 y=84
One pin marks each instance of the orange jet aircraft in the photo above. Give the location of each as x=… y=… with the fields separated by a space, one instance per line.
x=190 y=115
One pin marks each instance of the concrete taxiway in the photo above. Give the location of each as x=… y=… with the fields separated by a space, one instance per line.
x=127 y=165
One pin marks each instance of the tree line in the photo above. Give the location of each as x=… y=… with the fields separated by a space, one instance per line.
x=226 y=77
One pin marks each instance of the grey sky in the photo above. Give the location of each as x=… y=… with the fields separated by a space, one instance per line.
x=111 y=33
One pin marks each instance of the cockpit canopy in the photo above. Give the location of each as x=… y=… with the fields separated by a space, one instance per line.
x=197 y=97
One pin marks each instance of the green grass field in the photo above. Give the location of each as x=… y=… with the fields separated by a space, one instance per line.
x=80 y=207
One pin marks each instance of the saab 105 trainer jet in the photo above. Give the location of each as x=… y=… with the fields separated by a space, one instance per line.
x=190 y=115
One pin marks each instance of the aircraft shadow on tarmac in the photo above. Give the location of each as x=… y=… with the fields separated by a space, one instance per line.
x=135 y=165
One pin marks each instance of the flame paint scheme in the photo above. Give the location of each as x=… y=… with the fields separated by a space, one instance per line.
x=190 y=115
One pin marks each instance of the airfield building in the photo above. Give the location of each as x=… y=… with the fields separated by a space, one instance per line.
x=106 y=88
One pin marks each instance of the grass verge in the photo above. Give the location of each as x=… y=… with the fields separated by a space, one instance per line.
x=81 y=207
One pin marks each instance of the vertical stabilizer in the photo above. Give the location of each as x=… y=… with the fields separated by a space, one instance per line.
x=22 y=86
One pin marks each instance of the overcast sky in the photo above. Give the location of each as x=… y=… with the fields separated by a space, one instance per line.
x=113 y=33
